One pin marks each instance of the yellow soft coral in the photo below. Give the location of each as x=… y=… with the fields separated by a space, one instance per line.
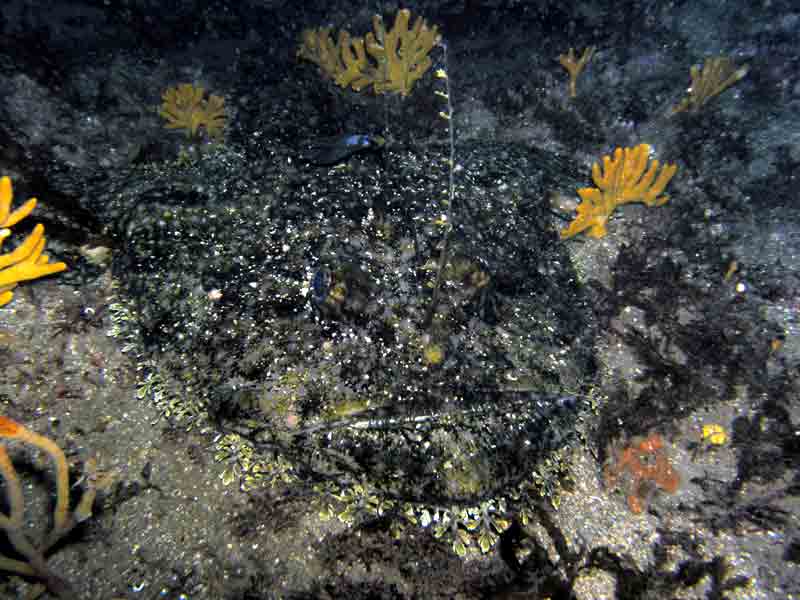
x=575 y=66
x=25 y=262
x=402 y=53
x=622 y=180
x=185 y=108
x=389 y=61
x=717 y=75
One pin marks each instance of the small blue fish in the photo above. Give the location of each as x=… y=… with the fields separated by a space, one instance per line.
x=331 y=151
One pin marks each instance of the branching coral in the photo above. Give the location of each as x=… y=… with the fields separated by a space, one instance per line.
x=645 y=467
x=622 y=180
x=389 y=61
x=717 y=75
x=63 y=520
x=184 y=107
x=26 y=261
x=575 y=67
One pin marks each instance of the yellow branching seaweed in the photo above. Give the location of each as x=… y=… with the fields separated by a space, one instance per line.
x=574 y=67
x=26 y=261
x=716 y=76
x=624 y=179
x=389 y=61
x=184 y=107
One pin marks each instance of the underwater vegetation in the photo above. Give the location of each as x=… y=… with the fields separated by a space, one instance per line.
x=185 y=107
x=575 y=67
x=64 y=519
x=403 y=345
x=26 y=261
x=640 y=468
x=388 y=61
x=623 y=179
x=387 y=338
x=717 y=75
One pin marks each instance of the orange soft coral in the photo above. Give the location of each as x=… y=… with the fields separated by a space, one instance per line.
x=26 y=261
x=644 y=466
x=624 y=179
x=64 y=520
